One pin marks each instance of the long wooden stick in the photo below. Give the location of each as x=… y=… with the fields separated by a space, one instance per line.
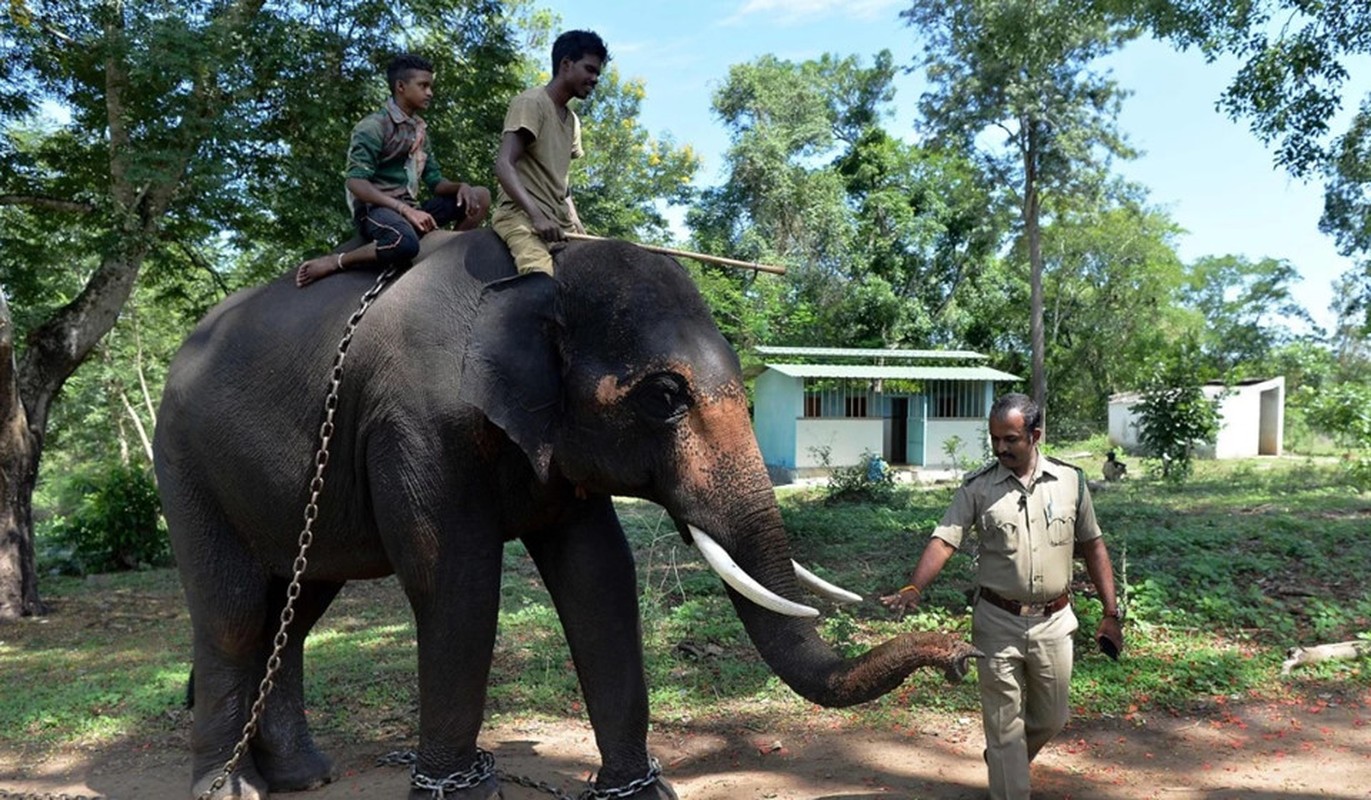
x=671 y=251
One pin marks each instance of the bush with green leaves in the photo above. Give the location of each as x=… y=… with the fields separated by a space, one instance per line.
x=108 y=520
x=1343 y=411
x=870 y=480
x=1174 y=416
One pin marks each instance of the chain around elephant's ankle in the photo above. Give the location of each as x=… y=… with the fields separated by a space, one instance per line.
x=481 y=770
x=654 y=772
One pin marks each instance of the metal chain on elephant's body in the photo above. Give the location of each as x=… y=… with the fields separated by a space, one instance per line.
x=484 y=767
x=316 y=488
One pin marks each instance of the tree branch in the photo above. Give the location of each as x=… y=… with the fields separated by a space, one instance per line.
x=48 y=203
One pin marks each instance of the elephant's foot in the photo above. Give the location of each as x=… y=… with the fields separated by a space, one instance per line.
x=297 y=771
x=487 y=789
x=246 y=783
x=651 y=786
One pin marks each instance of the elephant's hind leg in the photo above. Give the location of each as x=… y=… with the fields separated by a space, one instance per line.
x=284 y=749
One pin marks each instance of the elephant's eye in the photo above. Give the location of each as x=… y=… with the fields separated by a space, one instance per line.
x=662 y=398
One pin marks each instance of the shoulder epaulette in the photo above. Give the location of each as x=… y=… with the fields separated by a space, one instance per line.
x=1080 y=477
x=1058 y=461
x=979 y=471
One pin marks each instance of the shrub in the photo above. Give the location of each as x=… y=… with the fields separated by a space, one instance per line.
x=109 y=520
x=868 y=481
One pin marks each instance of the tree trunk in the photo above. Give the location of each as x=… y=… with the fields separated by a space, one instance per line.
x=53 y=352
x=18 y=473
x=1031 y=212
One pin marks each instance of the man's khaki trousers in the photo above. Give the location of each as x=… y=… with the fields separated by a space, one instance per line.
x=1025 y=681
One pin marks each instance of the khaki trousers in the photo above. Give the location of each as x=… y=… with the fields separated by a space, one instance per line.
x=530 y=252
x=1025 y=682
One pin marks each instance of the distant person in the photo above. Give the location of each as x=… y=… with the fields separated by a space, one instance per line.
x=1114 y=469
x=1030 y=512
x=389 y=155
x=541 y=137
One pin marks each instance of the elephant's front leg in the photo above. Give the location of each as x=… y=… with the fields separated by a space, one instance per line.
x=589 y=571
x=456 y=601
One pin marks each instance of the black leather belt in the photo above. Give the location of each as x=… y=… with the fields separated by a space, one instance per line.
x=1026 y=609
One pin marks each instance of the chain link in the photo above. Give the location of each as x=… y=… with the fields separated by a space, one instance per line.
x=316 y=488
x=5 y=793
x=484 y=767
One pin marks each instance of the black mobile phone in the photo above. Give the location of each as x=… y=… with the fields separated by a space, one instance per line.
x=1108 y=648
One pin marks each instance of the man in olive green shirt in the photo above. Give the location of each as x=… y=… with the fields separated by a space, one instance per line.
x=541 y=137
x=1031 y=513
x=389 y=157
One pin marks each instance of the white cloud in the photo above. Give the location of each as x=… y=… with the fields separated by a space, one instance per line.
x=798 y=12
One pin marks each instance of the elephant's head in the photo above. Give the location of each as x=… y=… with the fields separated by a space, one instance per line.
x=623 y=384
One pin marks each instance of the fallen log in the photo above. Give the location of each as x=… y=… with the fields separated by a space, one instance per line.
x=1341 y=651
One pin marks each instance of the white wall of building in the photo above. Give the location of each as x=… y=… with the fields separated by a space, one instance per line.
x=1251 y=420
x=972 y=432
x=845 y=438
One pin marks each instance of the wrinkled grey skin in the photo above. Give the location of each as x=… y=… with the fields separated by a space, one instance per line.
x=475 y=408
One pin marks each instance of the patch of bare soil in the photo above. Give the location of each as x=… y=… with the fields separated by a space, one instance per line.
x=1291 y=751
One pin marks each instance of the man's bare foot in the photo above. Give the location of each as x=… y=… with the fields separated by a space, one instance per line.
x=316 y=268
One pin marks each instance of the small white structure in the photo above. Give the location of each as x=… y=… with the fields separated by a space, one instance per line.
x=1251 y=419
x=804 y=413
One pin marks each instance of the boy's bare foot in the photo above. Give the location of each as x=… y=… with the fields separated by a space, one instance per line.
x=316 y=268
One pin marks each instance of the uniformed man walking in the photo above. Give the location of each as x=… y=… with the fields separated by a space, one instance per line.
x=1031 y=512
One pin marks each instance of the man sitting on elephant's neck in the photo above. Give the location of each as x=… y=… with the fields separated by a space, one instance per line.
x=388 y=156
x=541 y=137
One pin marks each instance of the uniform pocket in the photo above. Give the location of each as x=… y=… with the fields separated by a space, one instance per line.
x=1001 y=536
x=1062 y=530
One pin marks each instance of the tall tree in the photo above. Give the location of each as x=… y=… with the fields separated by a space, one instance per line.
x=1247 y=307
x=175 y=121
x=1020 y=70
x=1111 y=289
x=879 y=234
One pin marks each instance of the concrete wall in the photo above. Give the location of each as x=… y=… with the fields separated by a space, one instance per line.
x=846 y=440
x=972 y=432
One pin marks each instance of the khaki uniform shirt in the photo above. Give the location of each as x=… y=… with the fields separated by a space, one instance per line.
x=547 y=159
x=1027 y=533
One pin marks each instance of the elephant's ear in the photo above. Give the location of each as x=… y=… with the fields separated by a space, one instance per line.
x=511 y=369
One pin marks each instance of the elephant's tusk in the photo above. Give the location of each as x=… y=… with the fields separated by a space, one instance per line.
x=822 y=587
x=721 y=562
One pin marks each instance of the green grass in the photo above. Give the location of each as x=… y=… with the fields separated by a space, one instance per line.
x=1223 y=574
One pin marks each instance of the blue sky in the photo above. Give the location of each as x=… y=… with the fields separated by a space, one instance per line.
x=1211 y=174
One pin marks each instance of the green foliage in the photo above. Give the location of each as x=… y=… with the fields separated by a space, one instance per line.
x=108 y=520
x=1343 y=411
x=1111 y=282
x=878 y=235
x=1247 y=308
x=870 y=480
x=1175 y=415
x=627 y=174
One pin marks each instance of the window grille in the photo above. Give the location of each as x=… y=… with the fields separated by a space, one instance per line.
x=956 y=399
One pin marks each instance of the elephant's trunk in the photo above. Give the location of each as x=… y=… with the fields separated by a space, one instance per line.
x=792 y=647
x=807 y=664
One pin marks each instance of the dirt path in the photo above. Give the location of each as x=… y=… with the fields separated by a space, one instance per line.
x=1290 y=751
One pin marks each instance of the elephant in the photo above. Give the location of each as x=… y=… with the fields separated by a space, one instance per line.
x=475 y=407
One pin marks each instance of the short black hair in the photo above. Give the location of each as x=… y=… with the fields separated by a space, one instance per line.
x=575 y=45
x=1022 y=403
x=402 y=65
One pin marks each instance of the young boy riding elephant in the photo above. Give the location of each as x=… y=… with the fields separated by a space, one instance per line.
x=388 y=157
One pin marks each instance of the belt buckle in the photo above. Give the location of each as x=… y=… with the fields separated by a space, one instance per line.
x=1032 y=610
